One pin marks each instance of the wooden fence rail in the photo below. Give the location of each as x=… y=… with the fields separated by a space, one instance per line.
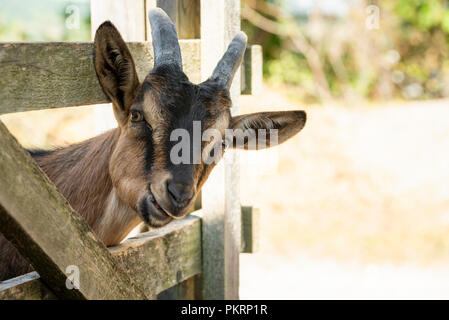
x=61 y=74
x=47 y=75
x=157 y=259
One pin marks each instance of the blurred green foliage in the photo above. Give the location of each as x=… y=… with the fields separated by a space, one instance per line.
x=291 y=67
x=424 y=14
x=45 y=20
x=422 y=40
x=406 y=57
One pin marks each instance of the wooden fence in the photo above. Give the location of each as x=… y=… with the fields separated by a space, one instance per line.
x=192 y=258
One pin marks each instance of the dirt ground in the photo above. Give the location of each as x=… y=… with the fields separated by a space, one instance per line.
x=356 y=205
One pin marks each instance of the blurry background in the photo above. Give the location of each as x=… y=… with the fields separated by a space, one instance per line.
x=356 y=205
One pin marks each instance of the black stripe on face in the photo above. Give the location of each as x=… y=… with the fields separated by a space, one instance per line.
x=149 y=151
x=180 y=103
x=39 y=152
x=144 y=209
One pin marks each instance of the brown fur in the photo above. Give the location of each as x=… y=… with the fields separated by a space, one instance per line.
x=81 y=173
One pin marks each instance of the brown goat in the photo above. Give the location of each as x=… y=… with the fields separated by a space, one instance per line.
x=129 y=175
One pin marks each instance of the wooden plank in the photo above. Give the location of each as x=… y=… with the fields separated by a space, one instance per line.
x=252 y=72
x=127 y=15
x=60 y=74
x=157 y=260
x=250 y=230
x=189 y=289
x=189 y=23
x=30 y=206
x=192 y=287
x=188 y=259
x=185 y=15
x=220 y=22
x=26 y=287
x=161 y=258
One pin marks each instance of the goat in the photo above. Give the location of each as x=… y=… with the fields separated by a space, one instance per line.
x=126 y=175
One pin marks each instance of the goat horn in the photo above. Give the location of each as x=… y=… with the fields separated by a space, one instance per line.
x=165 y=39
x=225 y=70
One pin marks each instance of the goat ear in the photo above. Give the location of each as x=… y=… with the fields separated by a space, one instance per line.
x=115 y=69
x=259 y=130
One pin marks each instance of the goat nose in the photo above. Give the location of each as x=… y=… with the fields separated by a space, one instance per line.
x=180 y=193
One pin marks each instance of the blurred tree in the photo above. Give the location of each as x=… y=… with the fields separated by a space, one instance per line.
x=332 y=56
x=286 y=49
x=422 y=41
x=44 y=20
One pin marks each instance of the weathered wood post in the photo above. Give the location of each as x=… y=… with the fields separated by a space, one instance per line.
x=185 y=14
x=220 y=21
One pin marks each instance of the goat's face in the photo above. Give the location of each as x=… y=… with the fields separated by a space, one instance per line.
x=145 y=166
x=152 y=170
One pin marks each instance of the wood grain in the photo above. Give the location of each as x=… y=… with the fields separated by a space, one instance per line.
x=220 y=22
x=45 y=75
x=38 y=220
x=157 y=260
x=250 y=230
x=252 y=73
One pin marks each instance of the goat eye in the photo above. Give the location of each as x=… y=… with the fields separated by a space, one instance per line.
x=136 y=116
